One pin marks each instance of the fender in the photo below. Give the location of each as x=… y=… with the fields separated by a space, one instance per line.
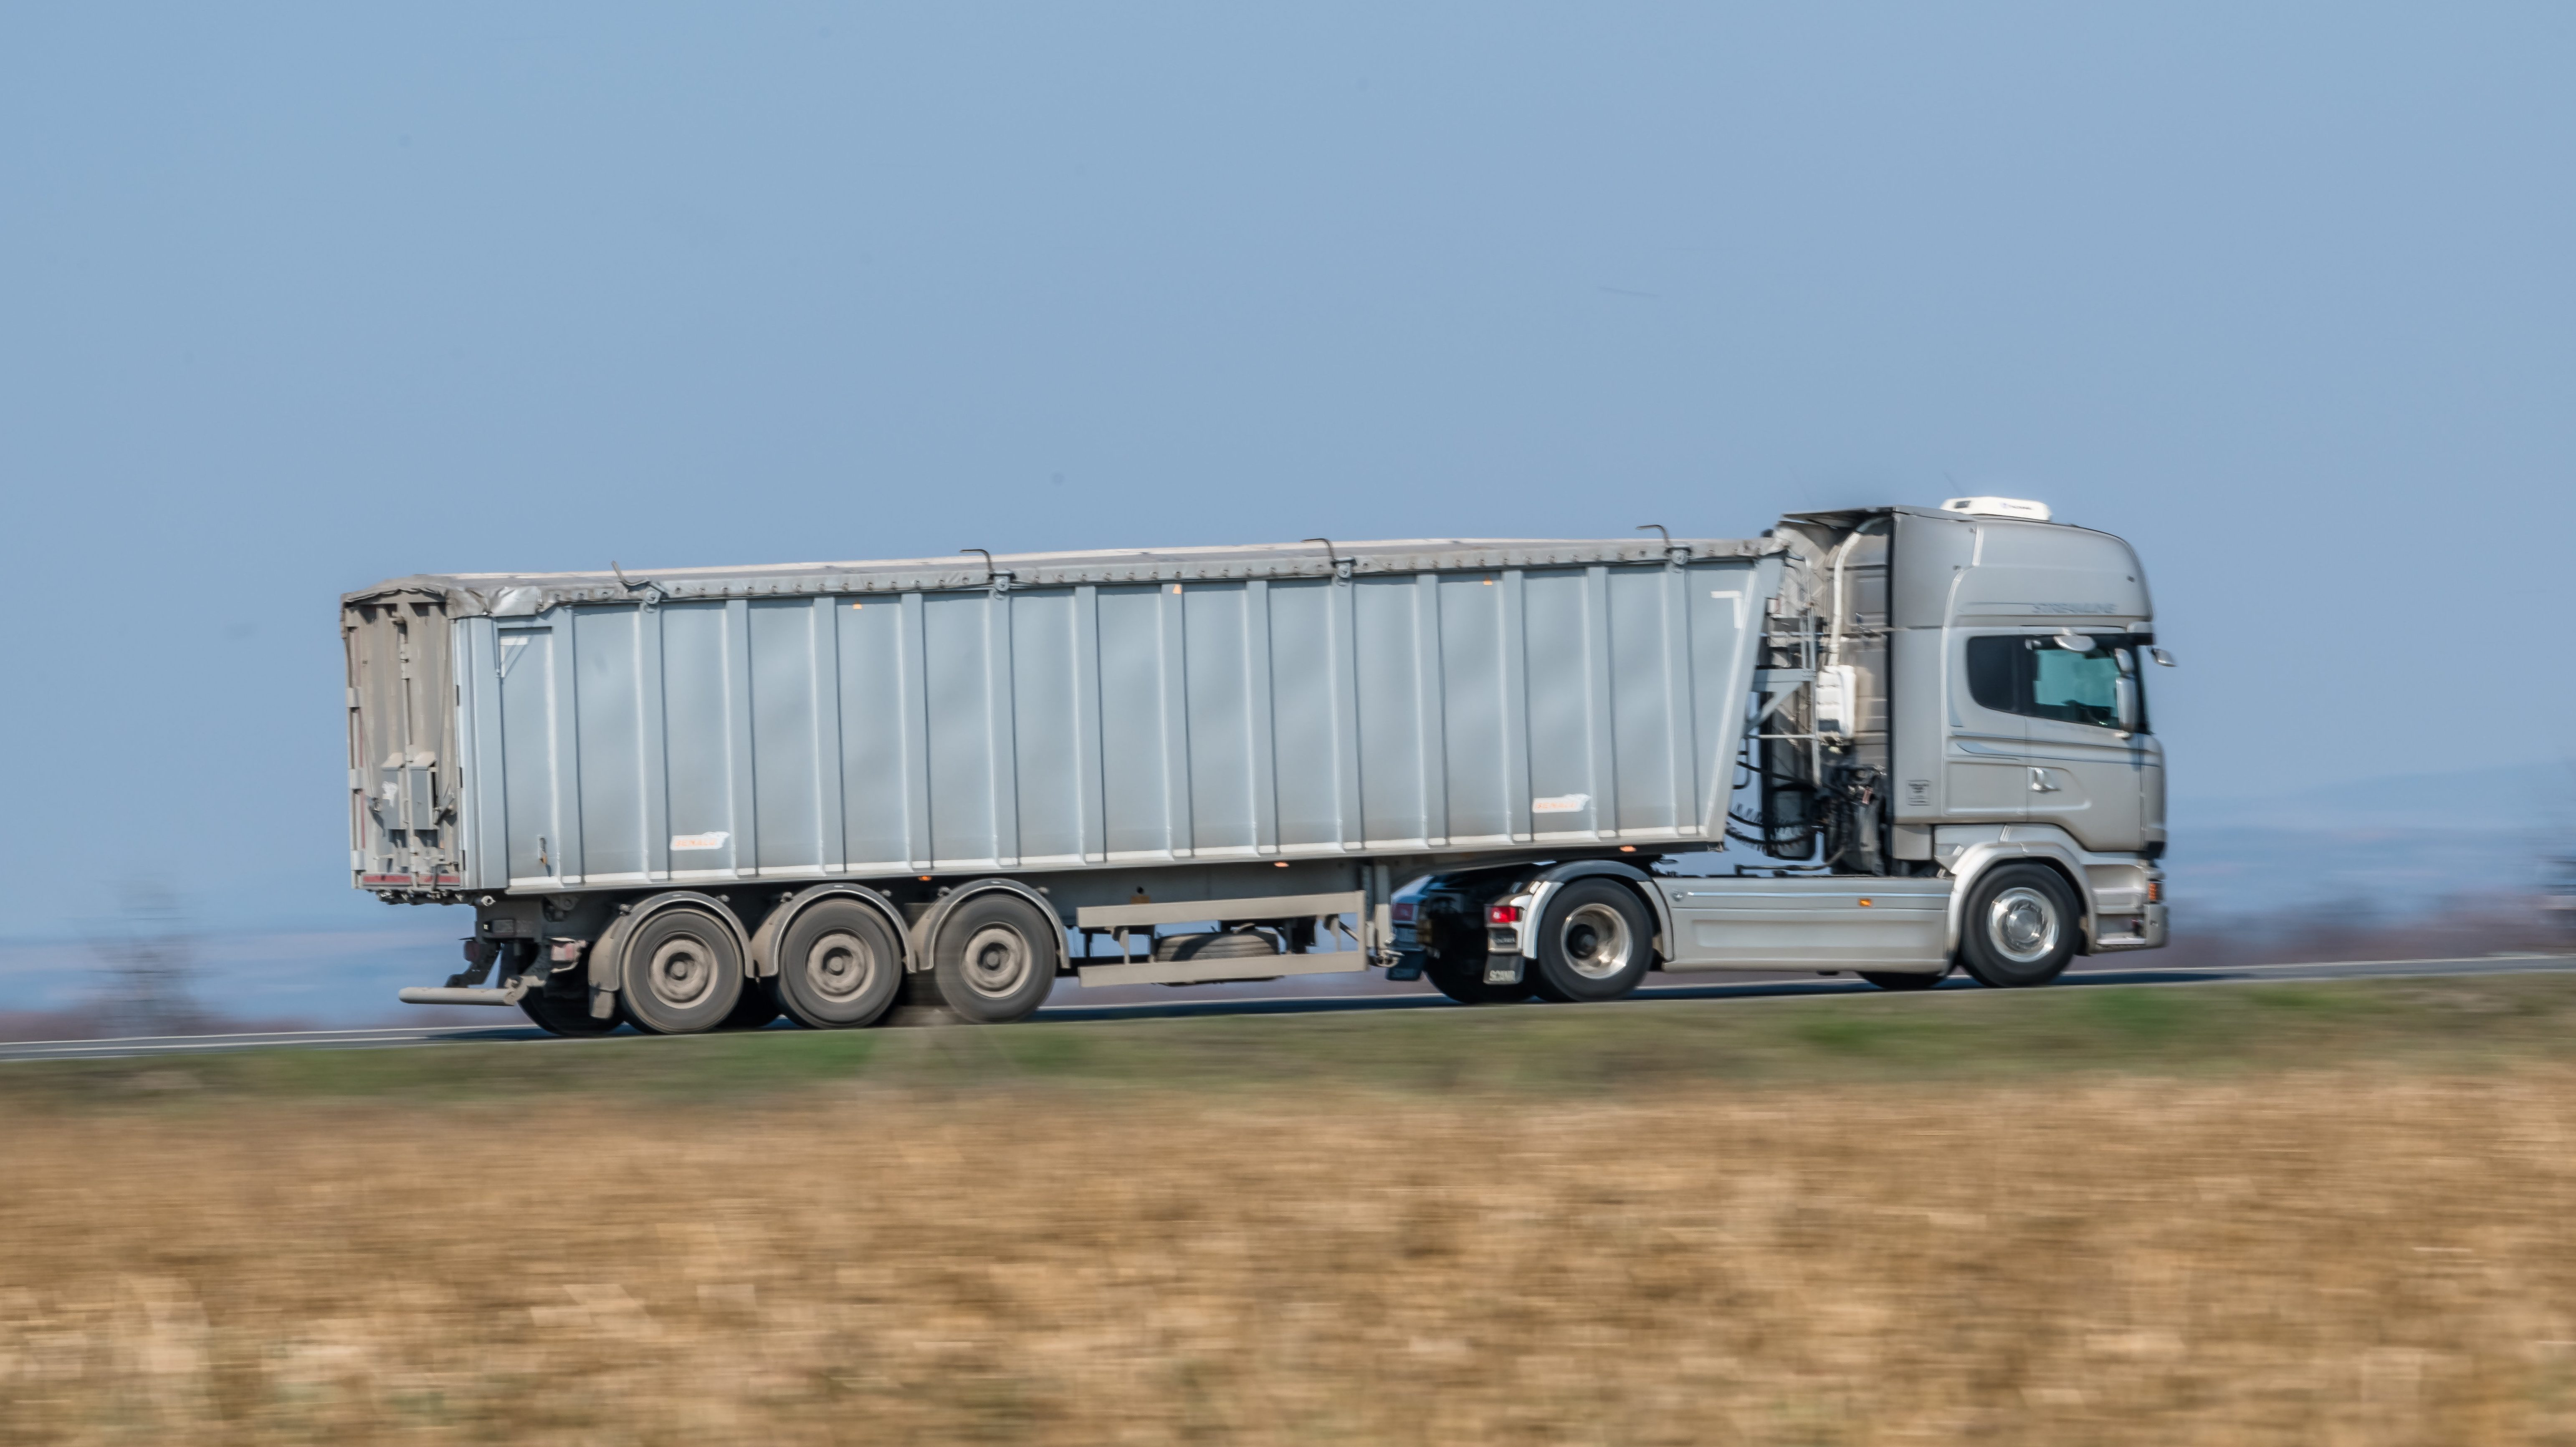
x=926 y=929
x=764 y=941
x=1543 y=883
x=608 y=955
x=2059 y=850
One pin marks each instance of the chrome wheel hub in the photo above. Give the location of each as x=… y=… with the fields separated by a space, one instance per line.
x=2022 y=925
x=1595 y=941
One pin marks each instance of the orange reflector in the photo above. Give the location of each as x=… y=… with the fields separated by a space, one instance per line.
x=1864 y=904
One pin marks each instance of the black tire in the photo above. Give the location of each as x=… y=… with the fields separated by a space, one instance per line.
x=1464 y=981
x=1595 y=942
x=1890 y=980
x=839 y=966
x=567 y=1015
x=757 y=1007
x=995 y=958
x=1453 y=958
x=2021 y=927
x=1251 y=944
x=681 y=973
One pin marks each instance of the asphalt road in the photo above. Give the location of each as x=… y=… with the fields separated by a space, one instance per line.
x=1766 y=989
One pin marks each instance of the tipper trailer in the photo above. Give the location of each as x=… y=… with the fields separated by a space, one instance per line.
x=1886 y=740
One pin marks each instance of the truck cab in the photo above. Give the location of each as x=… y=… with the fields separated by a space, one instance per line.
x=1951 y=763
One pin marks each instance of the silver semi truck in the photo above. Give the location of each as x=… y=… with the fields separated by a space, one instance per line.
x=1891 y=741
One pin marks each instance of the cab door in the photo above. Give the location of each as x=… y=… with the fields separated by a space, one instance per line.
x=2088 y=751
x=2089 y=762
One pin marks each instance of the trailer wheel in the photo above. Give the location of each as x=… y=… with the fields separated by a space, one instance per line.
x=2020 y=927
x=1594 y=943
x=839 y=966
x=681 y=973
x=995 y=958
x=563 y=1016
x=1891 y=980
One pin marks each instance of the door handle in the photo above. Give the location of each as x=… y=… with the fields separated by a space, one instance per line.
x=2039 y=783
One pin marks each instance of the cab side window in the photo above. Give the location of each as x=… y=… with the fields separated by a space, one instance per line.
x=2036 y=678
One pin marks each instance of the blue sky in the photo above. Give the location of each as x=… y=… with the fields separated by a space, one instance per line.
x=296 y=298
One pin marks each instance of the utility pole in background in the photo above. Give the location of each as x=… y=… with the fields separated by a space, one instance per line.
x=145 y=970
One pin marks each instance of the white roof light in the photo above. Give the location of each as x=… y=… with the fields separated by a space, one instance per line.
x=1998 y=507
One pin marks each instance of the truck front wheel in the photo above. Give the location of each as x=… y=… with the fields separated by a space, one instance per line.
x=2020 y=928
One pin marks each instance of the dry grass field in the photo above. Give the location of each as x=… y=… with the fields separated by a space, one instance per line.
x=2352 y=1238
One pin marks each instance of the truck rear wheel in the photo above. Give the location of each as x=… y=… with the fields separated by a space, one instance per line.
x=995 y=958
x=1594 y=943
x=2020 y=927
x=839 y=966
x=681 y=973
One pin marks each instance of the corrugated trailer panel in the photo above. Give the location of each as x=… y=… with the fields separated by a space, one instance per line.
x=635 y=736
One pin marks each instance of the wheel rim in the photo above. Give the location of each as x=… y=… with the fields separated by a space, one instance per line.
x=996 y=961
x=840 y=966
x=683 y=973
x=1595 y=941
x=2021 y=924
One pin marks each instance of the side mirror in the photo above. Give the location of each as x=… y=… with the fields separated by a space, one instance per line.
x=2124 y=703
x=2163 y=658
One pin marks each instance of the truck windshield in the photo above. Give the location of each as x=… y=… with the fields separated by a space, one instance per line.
x=2036 y=678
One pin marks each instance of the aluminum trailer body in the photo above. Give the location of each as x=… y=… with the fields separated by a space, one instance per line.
x=826 y=777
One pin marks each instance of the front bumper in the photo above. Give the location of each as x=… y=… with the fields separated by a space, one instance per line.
x=2143 y=931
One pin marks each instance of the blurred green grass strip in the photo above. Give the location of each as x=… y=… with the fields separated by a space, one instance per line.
x=1606 y=1050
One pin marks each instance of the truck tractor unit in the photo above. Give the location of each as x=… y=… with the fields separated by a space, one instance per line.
x=1887 y=741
